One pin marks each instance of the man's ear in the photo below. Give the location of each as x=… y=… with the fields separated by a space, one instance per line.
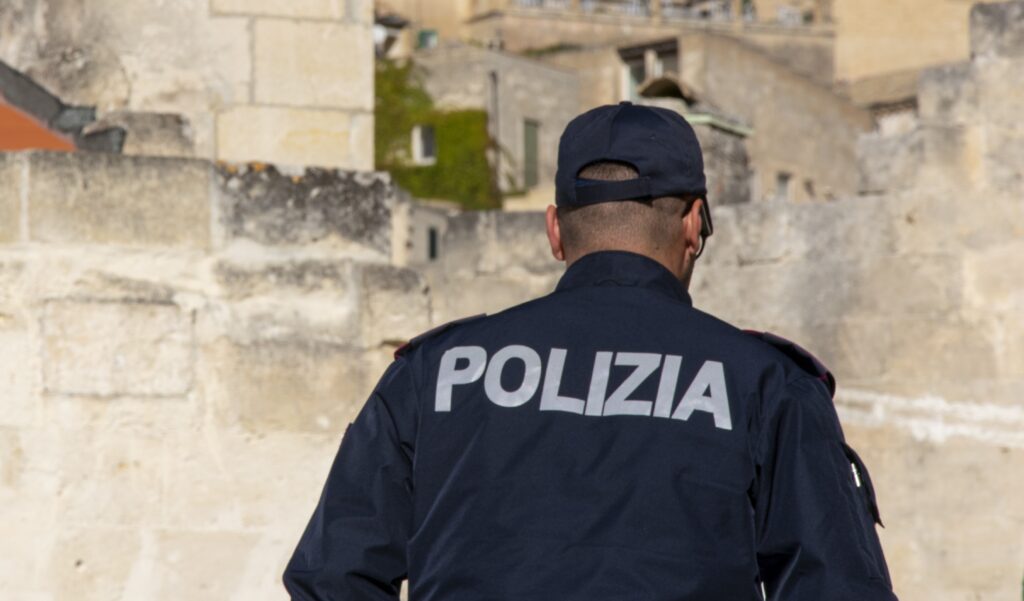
x=692 y=222
x=554 y=234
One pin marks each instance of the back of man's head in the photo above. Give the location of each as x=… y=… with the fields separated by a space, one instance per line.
x=648 y=227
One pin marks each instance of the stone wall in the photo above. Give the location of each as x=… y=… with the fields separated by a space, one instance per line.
x=788 y=113
x=874 y=37
x=459 y=77
x=181 y=347
x=809 y=50
x=913 y=293
x=283 y=82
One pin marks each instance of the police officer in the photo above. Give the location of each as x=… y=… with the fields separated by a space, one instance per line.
x=607 y=441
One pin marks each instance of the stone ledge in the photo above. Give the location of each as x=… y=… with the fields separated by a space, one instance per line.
x=98 y=198
x=295 y=9
x=321 y=206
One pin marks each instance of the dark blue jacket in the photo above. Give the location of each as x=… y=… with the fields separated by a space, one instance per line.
x=607 y=441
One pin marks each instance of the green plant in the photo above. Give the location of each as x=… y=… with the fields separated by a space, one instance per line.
x=461 y=171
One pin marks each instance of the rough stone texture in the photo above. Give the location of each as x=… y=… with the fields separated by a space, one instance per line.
x=913 y=34
x=170 y=410
x=298 y=9
x=319 y=206
x=301 y=63
x=10 y=197
x=295 y=136
x=297 y=385
x=395 y=303
x=997 y=30
x=153 y=134
x=95 y=198
x=213 y=66
x=114 y=349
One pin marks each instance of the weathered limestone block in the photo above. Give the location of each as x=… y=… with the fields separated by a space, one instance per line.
x=117 y=349
x=298 y=9
x=309 y=64
x=296 y=385
x=98 y=198
x=948 y=95
x=889 y=163
x=997 y=29
x=93 y=563
x=111 y=475
x=960 y=354
x=994 y=277
x=463 y=297
x=296 y=136
x=154 y=134
x=496 y=242
x=19 y=371
x=227 y=472
x=241 y=280
x=395 y=305
x=907 y=285
x=308 y=299
x=977 y=552
x=346 y=209
x=11 y=166
x=191 y=564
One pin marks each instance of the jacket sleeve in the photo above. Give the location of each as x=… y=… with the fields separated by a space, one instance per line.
x=354 y=548
x=814 y=509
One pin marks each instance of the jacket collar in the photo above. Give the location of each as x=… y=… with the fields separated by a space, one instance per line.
x=621 y=268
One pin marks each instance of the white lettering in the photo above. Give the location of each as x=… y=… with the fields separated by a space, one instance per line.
x=448 y=376
x=550 y=400
x=710 y=378
x=599 y=383
x=619 y=402
x=667 y=386
x=531 y=376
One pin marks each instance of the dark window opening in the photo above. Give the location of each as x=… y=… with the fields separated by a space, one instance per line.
x=432 y=243
x=782 y=180
x=531 y=149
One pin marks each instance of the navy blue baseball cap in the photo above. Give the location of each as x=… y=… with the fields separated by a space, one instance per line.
x=657 y=142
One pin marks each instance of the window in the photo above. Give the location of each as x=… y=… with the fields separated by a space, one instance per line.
x=809 y=189
x=424 y=148
x=432 y=243
x=782 y=180
x=426 y=38
x=635 y=75
x=531 y=146
x=669 y=63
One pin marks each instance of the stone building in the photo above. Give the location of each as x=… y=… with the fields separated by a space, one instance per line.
x=784 y=116
x=827 y=40
x=285 y=82
x=528 y=103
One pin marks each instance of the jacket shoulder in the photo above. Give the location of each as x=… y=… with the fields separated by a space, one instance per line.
x=803 y=359
x=419 y=340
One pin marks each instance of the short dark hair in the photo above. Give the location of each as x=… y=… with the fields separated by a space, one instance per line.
x=600 y=226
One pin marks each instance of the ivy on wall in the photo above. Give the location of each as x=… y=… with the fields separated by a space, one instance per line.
x=461 y=172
